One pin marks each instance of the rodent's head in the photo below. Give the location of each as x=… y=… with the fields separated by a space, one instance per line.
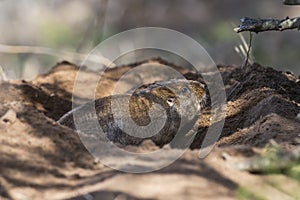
x=187 y=97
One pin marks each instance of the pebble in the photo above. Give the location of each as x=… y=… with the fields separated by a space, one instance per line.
x=9 y=117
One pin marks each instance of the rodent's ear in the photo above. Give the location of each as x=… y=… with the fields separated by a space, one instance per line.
x=162 y=92
x=198 y=86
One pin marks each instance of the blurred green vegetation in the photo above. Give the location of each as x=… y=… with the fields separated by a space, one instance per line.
x=56 y=34
x=280 y=169
x=243 y=193
x=223 y=31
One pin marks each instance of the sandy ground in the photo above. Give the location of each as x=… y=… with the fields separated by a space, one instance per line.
x=40 y=159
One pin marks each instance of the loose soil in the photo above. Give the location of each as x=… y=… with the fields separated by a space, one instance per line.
x=41 y=159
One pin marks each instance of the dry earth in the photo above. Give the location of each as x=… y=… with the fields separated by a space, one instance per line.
x=40 y=159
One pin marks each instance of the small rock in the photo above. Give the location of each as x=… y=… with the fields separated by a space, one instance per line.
x=76 y=176
x=88 y=196
x=9 y=117
x=225 y=156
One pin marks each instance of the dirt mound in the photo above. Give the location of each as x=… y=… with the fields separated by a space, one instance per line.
x=40 y=159
x=257 y=96
x=261 y=96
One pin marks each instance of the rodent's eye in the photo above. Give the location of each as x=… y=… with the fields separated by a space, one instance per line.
x=171 y=101
x=184 y=90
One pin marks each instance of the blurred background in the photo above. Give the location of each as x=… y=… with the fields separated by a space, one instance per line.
x=35 y=35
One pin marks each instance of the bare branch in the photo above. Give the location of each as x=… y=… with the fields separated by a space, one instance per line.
x=291 y=2
x=70 y=56
x=261 y=25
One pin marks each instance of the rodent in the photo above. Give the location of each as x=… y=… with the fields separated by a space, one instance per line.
x=174 y=97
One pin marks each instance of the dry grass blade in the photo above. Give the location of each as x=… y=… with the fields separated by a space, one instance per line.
x=2 y=74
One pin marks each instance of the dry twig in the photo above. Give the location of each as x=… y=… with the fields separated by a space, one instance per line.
x=261 y=25
x=291 y=2
x=249 y=49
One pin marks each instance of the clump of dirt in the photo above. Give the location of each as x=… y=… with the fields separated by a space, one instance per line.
x=40 y=159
